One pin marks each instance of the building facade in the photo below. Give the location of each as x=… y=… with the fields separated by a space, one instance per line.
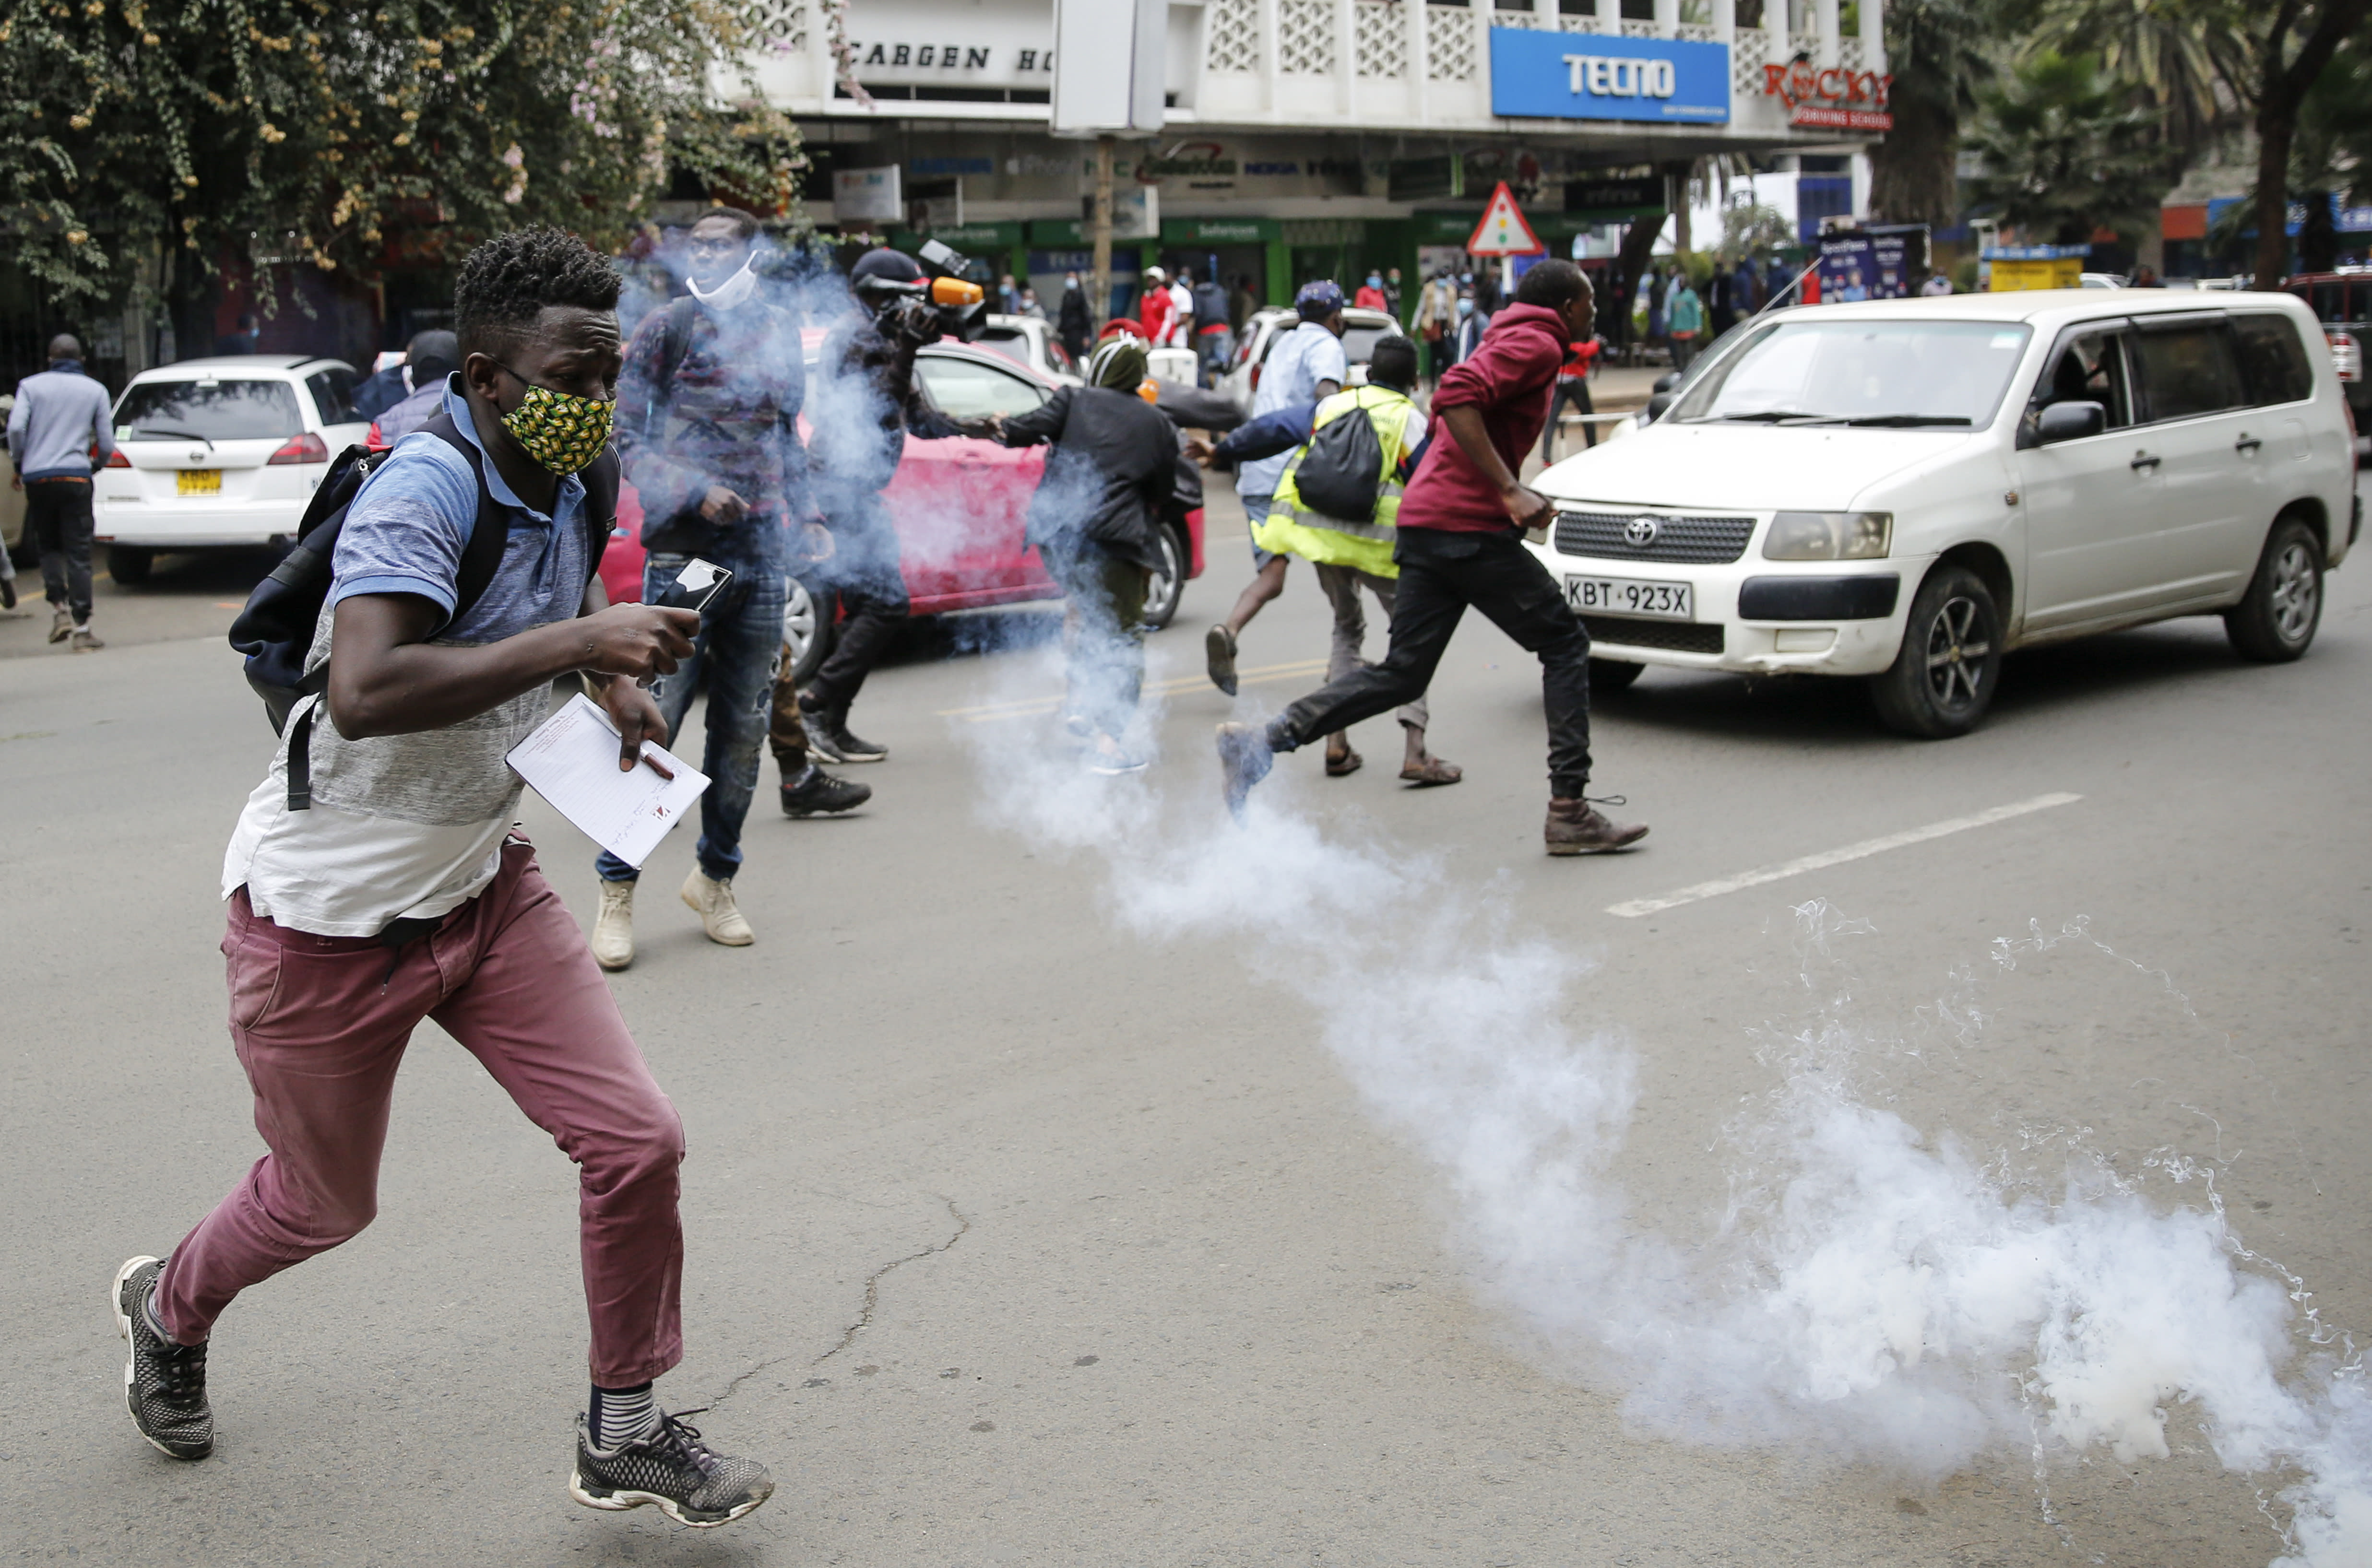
x=1312 y=137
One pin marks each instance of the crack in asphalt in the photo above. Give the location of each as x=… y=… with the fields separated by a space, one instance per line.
x=872 y=1301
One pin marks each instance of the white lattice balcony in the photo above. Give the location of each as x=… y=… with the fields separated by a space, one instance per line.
x=1363 y=64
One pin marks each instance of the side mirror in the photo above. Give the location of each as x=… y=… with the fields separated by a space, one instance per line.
x=1659 y=404
x=2070 y=422
x=1667 y=382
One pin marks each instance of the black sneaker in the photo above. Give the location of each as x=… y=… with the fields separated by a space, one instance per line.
x=828 y=734
x=164 y=1383
x=673 y=1469
x=7 y=591
x=819 y=791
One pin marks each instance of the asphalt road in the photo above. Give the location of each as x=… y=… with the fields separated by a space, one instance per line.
x=1017 y=1237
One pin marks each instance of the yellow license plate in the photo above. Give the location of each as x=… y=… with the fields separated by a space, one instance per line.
x=200 y=481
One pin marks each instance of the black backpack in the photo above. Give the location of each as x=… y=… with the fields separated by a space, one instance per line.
x=275 y=629
x=1341 y=469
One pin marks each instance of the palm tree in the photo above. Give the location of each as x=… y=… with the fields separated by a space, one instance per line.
x=2064 y=152
x=2169 y=49
x=1940 y=52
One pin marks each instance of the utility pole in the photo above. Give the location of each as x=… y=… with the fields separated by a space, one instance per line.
x=1109 y=69
x=1100 y=230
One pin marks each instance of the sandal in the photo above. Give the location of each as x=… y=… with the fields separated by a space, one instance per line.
x=1345 y=765
x=1432 y=771
x=1219 y=659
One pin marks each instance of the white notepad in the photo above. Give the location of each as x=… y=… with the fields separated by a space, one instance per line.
x=571 y=762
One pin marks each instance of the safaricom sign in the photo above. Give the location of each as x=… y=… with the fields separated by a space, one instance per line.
x=1536 y=74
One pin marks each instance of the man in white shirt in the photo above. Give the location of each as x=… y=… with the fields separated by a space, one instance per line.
x=1181 y=311
x=1305 y=365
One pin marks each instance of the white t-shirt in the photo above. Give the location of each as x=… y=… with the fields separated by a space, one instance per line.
x=1182 y=300
x=1302 y=359
x=412 y=825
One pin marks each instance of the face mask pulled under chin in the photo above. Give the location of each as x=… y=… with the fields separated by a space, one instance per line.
x=732 y=291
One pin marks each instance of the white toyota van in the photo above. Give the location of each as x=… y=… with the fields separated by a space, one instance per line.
x=1902 y=489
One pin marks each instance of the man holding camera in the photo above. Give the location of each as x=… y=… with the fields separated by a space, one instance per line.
x=865 y=405
x=708 y=406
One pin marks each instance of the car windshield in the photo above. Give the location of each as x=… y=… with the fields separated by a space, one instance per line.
x=1942 y=375
x=211 y=410
x=1359 y=342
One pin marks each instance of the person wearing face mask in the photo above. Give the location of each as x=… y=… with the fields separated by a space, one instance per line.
x=402 y=891
x=1371 y=294
x=708 y=408
x=867 y=402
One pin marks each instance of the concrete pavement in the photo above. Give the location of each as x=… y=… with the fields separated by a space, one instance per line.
x=1016 y=1239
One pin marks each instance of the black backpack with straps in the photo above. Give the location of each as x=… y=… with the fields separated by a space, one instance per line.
x=1341 y=469
x=276 y=628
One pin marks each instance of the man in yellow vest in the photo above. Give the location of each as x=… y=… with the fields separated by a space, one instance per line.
x=1335 y=506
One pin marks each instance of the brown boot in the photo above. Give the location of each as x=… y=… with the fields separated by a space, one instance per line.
x=1576 y=827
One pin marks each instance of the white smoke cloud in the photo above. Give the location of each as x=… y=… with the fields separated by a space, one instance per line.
x=1910 y=1300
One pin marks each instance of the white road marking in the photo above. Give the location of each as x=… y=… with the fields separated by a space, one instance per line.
x=1867 y=847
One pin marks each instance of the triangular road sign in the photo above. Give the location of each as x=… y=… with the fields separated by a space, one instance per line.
x=1503 y=231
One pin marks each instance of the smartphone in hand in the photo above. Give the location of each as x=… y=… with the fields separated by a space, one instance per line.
x=699 y=582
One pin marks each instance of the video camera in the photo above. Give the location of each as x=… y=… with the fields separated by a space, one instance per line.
x=921 y=304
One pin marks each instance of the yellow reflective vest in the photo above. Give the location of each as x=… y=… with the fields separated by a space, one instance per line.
x=1292 y=528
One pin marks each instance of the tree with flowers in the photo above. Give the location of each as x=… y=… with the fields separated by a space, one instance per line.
x=317 y=133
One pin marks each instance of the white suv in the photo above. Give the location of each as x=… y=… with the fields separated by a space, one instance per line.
x=1902 y=489
x=215 y=452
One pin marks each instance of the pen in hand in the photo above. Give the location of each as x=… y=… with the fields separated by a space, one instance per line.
x=661 y=769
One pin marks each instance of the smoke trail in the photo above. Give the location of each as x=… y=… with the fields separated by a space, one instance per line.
x=1903 y=1299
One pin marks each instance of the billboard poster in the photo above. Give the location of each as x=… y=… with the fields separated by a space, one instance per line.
x=1864 y=266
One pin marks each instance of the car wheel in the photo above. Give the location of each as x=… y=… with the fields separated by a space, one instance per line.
x=1611 y=675
x=128 y=564
x=1943 y=679
x=1167 y=584
x=2276 y=619
x=807 y=630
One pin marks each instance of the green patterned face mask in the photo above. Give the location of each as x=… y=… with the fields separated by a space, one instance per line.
x=560 y=430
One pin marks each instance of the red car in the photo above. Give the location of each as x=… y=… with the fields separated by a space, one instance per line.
x=960 y=505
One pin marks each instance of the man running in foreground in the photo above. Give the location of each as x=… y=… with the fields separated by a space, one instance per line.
x=1460 y=527
x=404 y=893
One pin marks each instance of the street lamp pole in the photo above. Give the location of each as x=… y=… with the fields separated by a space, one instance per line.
x=1100 y=230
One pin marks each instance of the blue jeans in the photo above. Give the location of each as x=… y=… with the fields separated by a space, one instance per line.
x=740 y=642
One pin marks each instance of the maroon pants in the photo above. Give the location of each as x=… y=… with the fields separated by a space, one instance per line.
x=320 y=1026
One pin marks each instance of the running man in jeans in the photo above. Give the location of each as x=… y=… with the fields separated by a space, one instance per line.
x=1461 y=543
x=708 y=406
x=404 y=893
x=59 y=418
x=1307 y=365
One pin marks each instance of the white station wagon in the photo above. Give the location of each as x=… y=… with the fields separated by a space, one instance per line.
x=1902 y=489
x=215 y=452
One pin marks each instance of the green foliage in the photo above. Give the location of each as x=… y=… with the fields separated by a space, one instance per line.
x=1750 y=228
x=2064 y=152
x=308 y=133
x=2334 y=135
x=2169 y=50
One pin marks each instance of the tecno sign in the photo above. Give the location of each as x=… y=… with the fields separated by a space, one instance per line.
x=1825 y=95
x=1607 y=75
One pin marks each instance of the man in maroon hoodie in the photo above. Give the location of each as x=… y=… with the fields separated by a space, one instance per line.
x=1460 y=543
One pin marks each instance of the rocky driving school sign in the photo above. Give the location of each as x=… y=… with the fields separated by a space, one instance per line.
x=1829 y=97
x=1563 y=76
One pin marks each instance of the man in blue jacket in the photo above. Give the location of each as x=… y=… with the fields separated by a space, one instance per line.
x=59 y=422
